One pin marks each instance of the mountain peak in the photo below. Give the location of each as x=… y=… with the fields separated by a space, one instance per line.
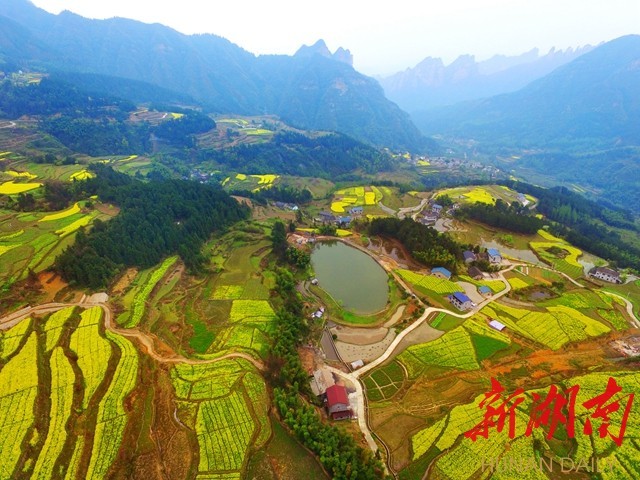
x=320 y=48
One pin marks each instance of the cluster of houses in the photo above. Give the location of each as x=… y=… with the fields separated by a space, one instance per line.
x=334 y=396
x=606 y=274
x=492 y=255
x=286 y=206
x=433 y=214
x=328 y=218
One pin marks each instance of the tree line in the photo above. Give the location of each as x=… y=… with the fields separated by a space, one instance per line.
x=424 y=243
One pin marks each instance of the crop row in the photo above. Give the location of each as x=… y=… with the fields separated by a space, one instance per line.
x=93 y=351
x=82 y=222
x=63 y=214
x=454 y=349
x=517 y=283
x=496 y=286
x=11 y=339
x=437 y=285
x=257 y=391
x=140 y=300
x=228 y=292
x=62 y=380
x=224 y=428
x=18 y=390
x=242 y=309
x=13 y=188
x=112 y=417
x=53 y=326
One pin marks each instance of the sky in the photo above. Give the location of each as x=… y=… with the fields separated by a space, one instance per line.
x=384 y=36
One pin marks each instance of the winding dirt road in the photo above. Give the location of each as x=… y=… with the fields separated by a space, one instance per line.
x=145 y=340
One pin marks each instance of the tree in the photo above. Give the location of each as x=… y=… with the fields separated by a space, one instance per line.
x=279 y=239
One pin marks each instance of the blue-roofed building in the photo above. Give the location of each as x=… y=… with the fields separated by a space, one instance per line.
x=494 y=255
x=461 y=301
x=344 y=221
x=484 y=290
x=469 y=256
x=356 y=211
x=441 y=272
x=436 y=208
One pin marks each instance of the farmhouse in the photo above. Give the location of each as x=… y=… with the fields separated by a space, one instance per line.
x=469 y=256
x=460 y=301
x=441 y=272
x=356 y=211
x=494 y=255
x=429 y=219
x=606 y=274
x=344 y=221
x=338 y=403
x=484 y=290
x=436 y=208
x=496 y=325
x=475 y=273
x=327 y=217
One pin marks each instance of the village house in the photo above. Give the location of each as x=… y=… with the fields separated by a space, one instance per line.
x=355 y=211
x=475 y=273
x=343 y=221
x=606 y=274
x=326 y=217
x=441 y=272
x=461 y=301
x=484 y=290
x=494 y=256
x=469 y=256
x=429 y=219
x=436 y=208
x=338 y=405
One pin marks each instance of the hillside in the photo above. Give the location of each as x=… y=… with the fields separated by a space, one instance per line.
x=309 y=90
x=432 y=84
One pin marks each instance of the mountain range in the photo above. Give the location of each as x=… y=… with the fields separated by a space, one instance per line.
x=313 y=89
x=432 y=84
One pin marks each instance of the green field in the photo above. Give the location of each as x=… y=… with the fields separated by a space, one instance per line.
x=384 y=382
x=559 y=254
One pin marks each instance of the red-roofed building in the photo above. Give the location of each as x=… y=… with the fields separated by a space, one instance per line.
x=338 y=403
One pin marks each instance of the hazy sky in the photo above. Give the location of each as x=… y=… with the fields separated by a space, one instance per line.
x=384 y=36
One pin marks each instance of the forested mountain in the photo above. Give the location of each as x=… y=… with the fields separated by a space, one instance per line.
x=577 y=124
x=308 y=90
x=431 y=84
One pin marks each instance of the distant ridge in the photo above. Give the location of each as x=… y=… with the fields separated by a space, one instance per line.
x=432 y=84
x=314 y=91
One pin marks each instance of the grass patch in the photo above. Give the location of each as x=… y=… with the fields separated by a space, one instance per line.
x=486 y=346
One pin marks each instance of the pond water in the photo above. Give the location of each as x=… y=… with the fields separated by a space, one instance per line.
x=351 y=277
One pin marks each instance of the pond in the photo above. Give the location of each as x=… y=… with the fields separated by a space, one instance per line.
x=525 y=255
x=351 y=277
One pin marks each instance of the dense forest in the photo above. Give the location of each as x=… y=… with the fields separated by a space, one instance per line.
x=157 y=219
x=424 y=243
x=292 y=153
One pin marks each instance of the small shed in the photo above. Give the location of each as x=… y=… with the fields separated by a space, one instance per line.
x=496 y=325
x=475 y=273
x=357 y=364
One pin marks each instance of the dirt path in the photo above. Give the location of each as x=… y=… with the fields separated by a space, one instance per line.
x=145 y=340
x=629 y=305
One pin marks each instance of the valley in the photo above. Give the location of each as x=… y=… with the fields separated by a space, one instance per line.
x=217 y=265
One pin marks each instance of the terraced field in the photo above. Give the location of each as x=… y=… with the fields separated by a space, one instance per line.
x=31 y=241
x=559 y=254
x=87 y=370
x=226 y=405
x=253 y=183
x=429 y=284
x=348 y=198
